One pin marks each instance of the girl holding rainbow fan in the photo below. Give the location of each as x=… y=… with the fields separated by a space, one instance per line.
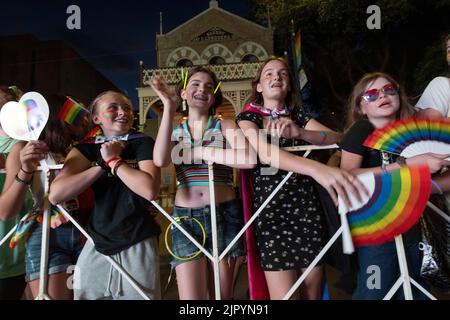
x=375 y=102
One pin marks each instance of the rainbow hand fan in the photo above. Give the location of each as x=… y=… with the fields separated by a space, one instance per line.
x=395 y=203
x=412 y=137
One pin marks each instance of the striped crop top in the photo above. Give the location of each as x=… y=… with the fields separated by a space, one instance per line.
x=189 y=175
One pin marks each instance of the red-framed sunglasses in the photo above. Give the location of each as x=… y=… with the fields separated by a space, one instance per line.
x=373 y=94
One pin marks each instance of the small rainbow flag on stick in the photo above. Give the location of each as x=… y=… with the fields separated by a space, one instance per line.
x=72 y=112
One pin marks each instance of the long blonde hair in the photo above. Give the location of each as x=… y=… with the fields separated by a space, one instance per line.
x=354 y=112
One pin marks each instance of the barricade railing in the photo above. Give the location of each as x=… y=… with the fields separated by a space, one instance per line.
x=215 y=257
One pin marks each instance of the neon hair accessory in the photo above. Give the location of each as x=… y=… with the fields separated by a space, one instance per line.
x=412 y=137
x=184 y=77
x=217 y=88
x=177 y=219
x=396 y=202
x=72 y=112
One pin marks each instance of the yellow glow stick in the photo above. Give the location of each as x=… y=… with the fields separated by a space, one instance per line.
x=185 y=79
x=218 y=86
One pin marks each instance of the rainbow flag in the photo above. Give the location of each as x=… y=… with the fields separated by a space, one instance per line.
x=30 y=105
x=72 y=112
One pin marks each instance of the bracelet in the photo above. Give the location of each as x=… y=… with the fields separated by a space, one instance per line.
x=437 y=186
x=116 y=166
x=111 y=160
x=27 y=172
x=21 y=181
x=324 y=137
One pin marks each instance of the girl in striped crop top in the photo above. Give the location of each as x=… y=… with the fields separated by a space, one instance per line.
x=199 y=139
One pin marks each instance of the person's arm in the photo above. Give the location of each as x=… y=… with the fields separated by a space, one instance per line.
x=240 y=155
x=443 y=182
x=314 y=132
x=430 y=113
x=352 y=163
x=335 y=181
x=163 y=144
x=435 y=99
x=13 y=191
x=21 y=163
x=75 y=177
x=353 y=153
x=144 y=181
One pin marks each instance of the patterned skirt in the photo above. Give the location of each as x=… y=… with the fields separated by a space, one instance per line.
x=289 y=231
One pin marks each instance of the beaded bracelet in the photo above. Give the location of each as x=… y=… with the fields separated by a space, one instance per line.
x=21 y=181
x=437 y=186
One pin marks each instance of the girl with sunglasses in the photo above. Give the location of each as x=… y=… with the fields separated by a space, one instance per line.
x=376 y=101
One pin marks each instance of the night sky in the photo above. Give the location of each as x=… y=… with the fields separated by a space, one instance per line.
x=115 y=35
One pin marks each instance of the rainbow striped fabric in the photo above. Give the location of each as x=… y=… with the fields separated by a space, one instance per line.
x=197 y=174
x=72 y=112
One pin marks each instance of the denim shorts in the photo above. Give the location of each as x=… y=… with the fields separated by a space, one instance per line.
x=229 y=223
x=65 y=246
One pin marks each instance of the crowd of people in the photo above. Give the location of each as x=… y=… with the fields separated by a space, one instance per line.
x=111 y=175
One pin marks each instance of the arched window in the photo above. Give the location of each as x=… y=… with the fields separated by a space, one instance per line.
x=216 y=60
x=249 y=58
x=184 y=63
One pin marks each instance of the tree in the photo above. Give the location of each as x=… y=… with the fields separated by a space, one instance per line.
x=339 y=48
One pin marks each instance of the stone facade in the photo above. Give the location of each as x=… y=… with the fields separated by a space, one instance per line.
x=231 y=46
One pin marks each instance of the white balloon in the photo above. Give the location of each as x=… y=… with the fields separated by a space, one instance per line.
x=25 y=120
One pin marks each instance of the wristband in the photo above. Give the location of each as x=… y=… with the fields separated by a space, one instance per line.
x=108 y=162
x=27 y=172
x=437 y=186
x=116 y=166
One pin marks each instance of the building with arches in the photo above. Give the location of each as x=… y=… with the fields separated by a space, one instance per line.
x=231 y=45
